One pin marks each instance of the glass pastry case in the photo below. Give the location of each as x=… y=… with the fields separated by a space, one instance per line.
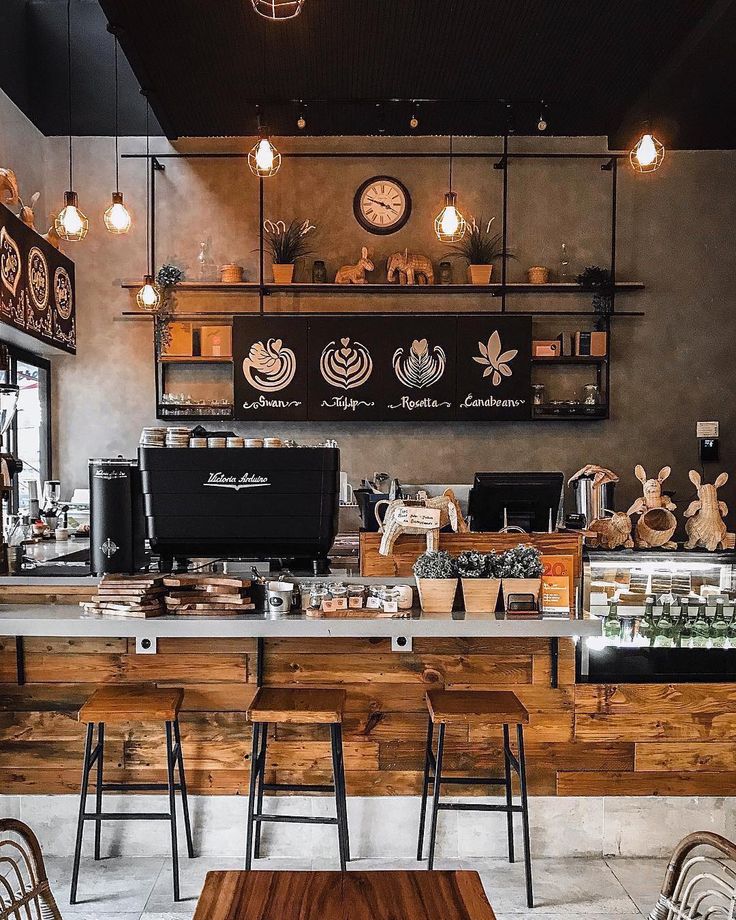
x=667 y=616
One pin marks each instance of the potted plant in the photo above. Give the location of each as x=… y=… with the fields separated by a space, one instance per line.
x=480 y=248
x=286 y=244
x=520 y=569
x=436 y=575
x=478 y=574
x=597 y=280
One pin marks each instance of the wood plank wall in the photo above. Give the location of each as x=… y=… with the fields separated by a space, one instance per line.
x=582 y=740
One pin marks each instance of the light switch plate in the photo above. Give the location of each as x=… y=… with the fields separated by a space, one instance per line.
x=145 y=646
x=401 y=643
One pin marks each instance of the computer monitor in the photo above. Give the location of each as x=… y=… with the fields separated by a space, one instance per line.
x=532 y=501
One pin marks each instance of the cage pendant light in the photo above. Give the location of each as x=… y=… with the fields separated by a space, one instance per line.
x=449 y=225
x=117 y=217
x=264 y=160
x=148 y=297
x=647 y=154
x=277 y=10
x=70 y=223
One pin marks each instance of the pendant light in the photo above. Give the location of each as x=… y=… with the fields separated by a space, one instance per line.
x=117 y=217
x=449 y=225
x=149 y=296
x=70 y=223
x=264 y=159
x=648 y=153
x=277 y=10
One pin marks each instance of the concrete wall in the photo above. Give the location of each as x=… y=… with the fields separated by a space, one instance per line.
x=669 y=369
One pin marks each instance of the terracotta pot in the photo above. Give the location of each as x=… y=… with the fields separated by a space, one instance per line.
x=521 y=586
x=283 y=274
x=480 y=595
x=437 y=595
x=480 y=274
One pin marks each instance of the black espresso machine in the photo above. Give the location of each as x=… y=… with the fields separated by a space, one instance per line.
x=241 y=502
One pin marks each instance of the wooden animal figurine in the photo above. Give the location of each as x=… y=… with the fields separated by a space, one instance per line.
x=656 y=523
x=355 y=274
x=8 y=187
x=411 y=267
x=705 y=526
x=450 y=513
x=51 y=236
x=614 y=531
x=26 y=211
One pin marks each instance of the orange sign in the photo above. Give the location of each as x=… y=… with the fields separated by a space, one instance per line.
x=558 y=584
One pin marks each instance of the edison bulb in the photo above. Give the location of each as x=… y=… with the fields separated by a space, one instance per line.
x=648 y=154
x=71 y=224
x=117 y=217
x=301 y=122
x=450 y=221
x=149 y=297
x=264 y=159
x=449 y=224
x=264 y=155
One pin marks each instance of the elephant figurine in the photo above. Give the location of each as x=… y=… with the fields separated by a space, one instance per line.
x=450 y=513
x=411 y=267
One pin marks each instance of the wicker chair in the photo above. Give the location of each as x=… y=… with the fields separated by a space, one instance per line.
x=699 y=887
x=24 y=888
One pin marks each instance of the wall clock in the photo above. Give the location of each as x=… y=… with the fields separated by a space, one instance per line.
x=382 y=205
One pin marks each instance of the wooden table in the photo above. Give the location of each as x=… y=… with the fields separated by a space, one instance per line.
x=417 y=895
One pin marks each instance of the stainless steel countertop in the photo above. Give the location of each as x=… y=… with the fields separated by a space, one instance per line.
x=69 y=620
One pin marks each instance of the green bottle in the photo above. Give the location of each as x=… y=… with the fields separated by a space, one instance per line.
x=612 y=625
x=731 y=632
x=646 y=623
x=719 y=626
x=701 y=629
x=686 y=627
x=665 y=628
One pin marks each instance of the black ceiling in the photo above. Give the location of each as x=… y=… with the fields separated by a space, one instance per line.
x=602 y=66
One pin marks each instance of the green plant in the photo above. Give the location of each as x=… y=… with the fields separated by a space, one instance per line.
x=167 y=277
x=472 y=564
x=479 y=246
x=598 y=280
x=493 y=564
x=522 y=561
x=286 y=243
x=435 y=564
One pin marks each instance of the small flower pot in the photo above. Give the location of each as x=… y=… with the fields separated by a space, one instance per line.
x=283 y=274
x=437 y=595
x=480 y=595
x=520 y=586
x=480 y=274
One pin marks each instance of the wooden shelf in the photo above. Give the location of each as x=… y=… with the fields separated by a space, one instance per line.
x=242 y=286
x=570 y=359
x=195 y=359
x=599 y=415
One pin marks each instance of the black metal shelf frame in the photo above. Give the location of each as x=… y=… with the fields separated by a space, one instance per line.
x=502 y=159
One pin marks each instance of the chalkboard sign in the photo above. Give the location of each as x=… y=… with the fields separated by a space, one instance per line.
x=379 y=368
x=37 y=293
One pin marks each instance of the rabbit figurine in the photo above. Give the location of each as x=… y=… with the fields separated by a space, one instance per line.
x=51 y=236
x=652 y=497
x=355 y=274
x=705 y=526
x=26 y=211
x=656 y=523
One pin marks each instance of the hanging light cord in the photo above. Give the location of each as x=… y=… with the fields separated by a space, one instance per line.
x=450 y=189
x=69 y=86
x=117 y=121
x=148 y=187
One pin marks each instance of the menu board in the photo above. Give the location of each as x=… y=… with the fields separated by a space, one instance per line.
x=37 y=292
x=379 y=368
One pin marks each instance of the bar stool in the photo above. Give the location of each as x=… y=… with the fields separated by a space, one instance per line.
x=140 y=704
x=477 y=708
x=302 y=707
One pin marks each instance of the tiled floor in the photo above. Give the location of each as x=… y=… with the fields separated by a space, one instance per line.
x=140 y=889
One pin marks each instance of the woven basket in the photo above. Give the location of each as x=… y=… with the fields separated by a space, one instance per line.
x=231 y=273
x=538 y=274
x=656 y=527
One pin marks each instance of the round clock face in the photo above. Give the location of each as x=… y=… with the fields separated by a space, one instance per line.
x=382 y=204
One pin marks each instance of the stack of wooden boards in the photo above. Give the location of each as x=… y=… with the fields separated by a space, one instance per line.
x=128 y=596
x=153 y=595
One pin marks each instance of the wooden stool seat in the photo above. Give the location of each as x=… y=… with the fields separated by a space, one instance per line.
x=135 y=704
x=274 y=704
x=489 y=707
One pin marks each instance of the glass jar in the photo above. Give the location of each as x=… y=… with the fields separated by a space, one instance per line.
x=538 y=394
x=445 y=273
x=591 y=394
x=373 y=601
x=319 y=272
x=337 y=595
x=390 y=600
x=317 y=594
x=356 y=597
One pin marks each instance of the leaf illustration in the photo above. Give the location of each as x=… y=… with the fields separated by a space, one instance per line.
x=482 y=348
x=488 y=371
x=494 y=347
x=496 y=379
x=480 y=360
x=507 y=356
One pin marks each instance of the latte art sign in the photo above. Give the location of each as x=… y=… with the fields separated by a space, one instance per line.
x=424 y=367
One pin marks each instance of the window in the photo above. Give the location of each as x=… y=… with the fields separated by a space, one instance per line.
x=29 y=436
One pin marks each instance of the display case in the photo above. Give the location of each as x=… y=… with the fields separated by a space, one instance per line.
x=667 y=616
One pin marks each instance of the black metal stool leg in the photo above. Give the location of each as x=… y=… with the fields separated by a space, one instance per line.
x=339 y=783
x=436 y=793
x=525 y=816
x=98 y=785
x=252 y=795
x=172 y=807
x=86 y=767
x=344 y=796
x=425 y=788
x=509 y=791
x=260 y=775
x=183 y=788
